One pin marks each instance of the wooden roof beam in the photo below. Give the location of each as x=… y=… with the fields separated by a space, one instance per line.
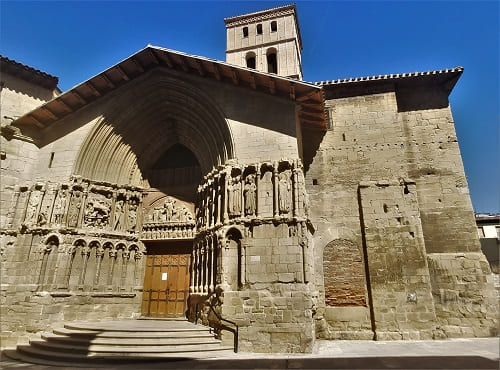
x=51 y=114
x=305 y=97
x=153 y=56
x=252 y=81
x=217 y=72
x=79 y=96
x=138 y=64
x=272 y=86
x=292 y=91
x=37 y=121
x=199 y=67
x=234 y=77
x=167 y=60
x=65 y=105
x=184 y=65
x=91 y=86
x=122 y=72
x=108 y=81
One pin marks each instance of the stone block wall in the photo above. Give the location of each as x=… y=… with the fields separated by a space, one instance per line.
x=401 y=298
x=375 y=137
x=274 y=304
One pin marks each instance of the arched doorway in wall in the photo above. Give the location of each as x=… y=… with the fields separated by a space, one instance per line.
x=162 y=136
x=168 y=231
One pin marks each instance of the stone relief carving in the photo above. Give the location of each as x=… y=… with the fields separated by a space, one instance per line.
x=284 y=192
x=31 y=210
x=249 y=193
x=119 y=215
x=97 y=210
x=268 y=192
x=132 y=216
x=60 y=208
x=74 y=208
x=169 y=211
x=234 y=196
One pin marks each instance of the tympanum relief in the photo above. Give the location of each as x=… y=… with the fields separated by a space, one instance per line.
x=168 y=218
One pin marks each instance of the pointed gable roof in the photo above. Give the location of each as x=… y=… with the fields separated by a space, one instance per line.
x=307 y=95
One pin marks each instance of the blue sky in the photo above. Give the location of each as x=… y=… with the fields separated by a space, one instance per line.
x=75 y=40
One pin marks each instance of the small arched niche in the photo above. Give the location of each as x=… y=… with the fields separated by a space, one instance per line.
x=234 y=257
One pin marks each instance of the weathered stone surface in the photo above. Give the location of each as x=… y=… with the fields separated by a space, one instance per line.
x=357 y=228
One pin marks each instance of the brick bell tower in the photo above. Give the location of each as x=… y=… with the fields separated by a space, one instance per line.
x=268 y=41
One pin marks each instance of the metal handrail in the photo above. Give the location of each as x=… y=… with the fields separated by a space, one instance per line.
x=233 y=330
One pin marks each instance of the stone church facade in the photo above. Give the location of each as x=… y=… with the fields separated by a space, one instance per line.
x=274 y=210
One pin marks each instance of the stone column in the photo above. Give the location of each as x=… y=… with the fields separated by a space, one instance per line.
x=99 y=257
x=303 y=241
x=85 y=254
x=112 y=261
x=45 y=256
x=225 y=200
x=197 y=268
x=243 y=267
x=69 y=265
x=83 y=204
x=193 y=269
x=275 y=190
x=212 y=205
x=211 y=266
x=204 y=272
x=257 y=180
x=125 y=260
x=295 y=189
x=50 y=214
x=221 y=262
x=219 y=200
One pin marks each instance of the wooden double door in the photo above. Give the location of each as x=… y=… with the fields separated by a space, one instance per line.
x=166 y=279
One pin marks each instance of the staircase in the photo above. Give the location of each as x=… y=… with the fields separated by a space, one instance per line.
x=127 y=341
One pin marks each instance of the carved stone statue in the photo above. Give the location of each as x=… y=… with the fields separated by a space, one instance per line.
x=169 y=206
x=34 y=200
x=234 y=196
x=185 y=214
x=59 y=208
x=74 y=208
x=132 y=217
x=119 y=215
x=249 y=194
x=284 y=192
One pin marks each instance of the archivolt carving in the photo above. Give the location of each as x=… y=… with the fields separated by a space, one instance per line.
x=128 y=140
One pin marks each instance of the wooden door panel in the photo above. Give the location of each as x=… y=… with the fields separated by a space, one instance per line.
x=166 y=297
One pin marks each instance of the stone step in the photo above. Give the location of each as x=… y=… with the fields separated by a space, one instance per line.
x=136 y=325
x=109 y=342
x=34 y=355
x=200 y=333
x=131 y=340
x=130 y=350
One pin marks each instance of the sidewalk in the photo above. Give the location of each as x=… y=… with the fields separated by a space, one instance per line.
x=474 y=353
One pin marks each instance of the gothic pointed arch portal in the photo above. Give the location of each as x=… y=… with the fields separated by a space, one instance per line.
x=161 y=135
x=154 y=114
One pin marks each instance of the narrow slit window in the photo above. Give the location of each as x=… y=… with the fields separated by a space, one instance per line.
x=245 y=31
x=51 y=159
x=274 y=26
x=259 y=29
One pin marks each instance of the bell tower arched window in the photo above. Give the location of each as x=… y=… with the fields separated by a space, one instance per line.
x=250 y=59
x=272 y=61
